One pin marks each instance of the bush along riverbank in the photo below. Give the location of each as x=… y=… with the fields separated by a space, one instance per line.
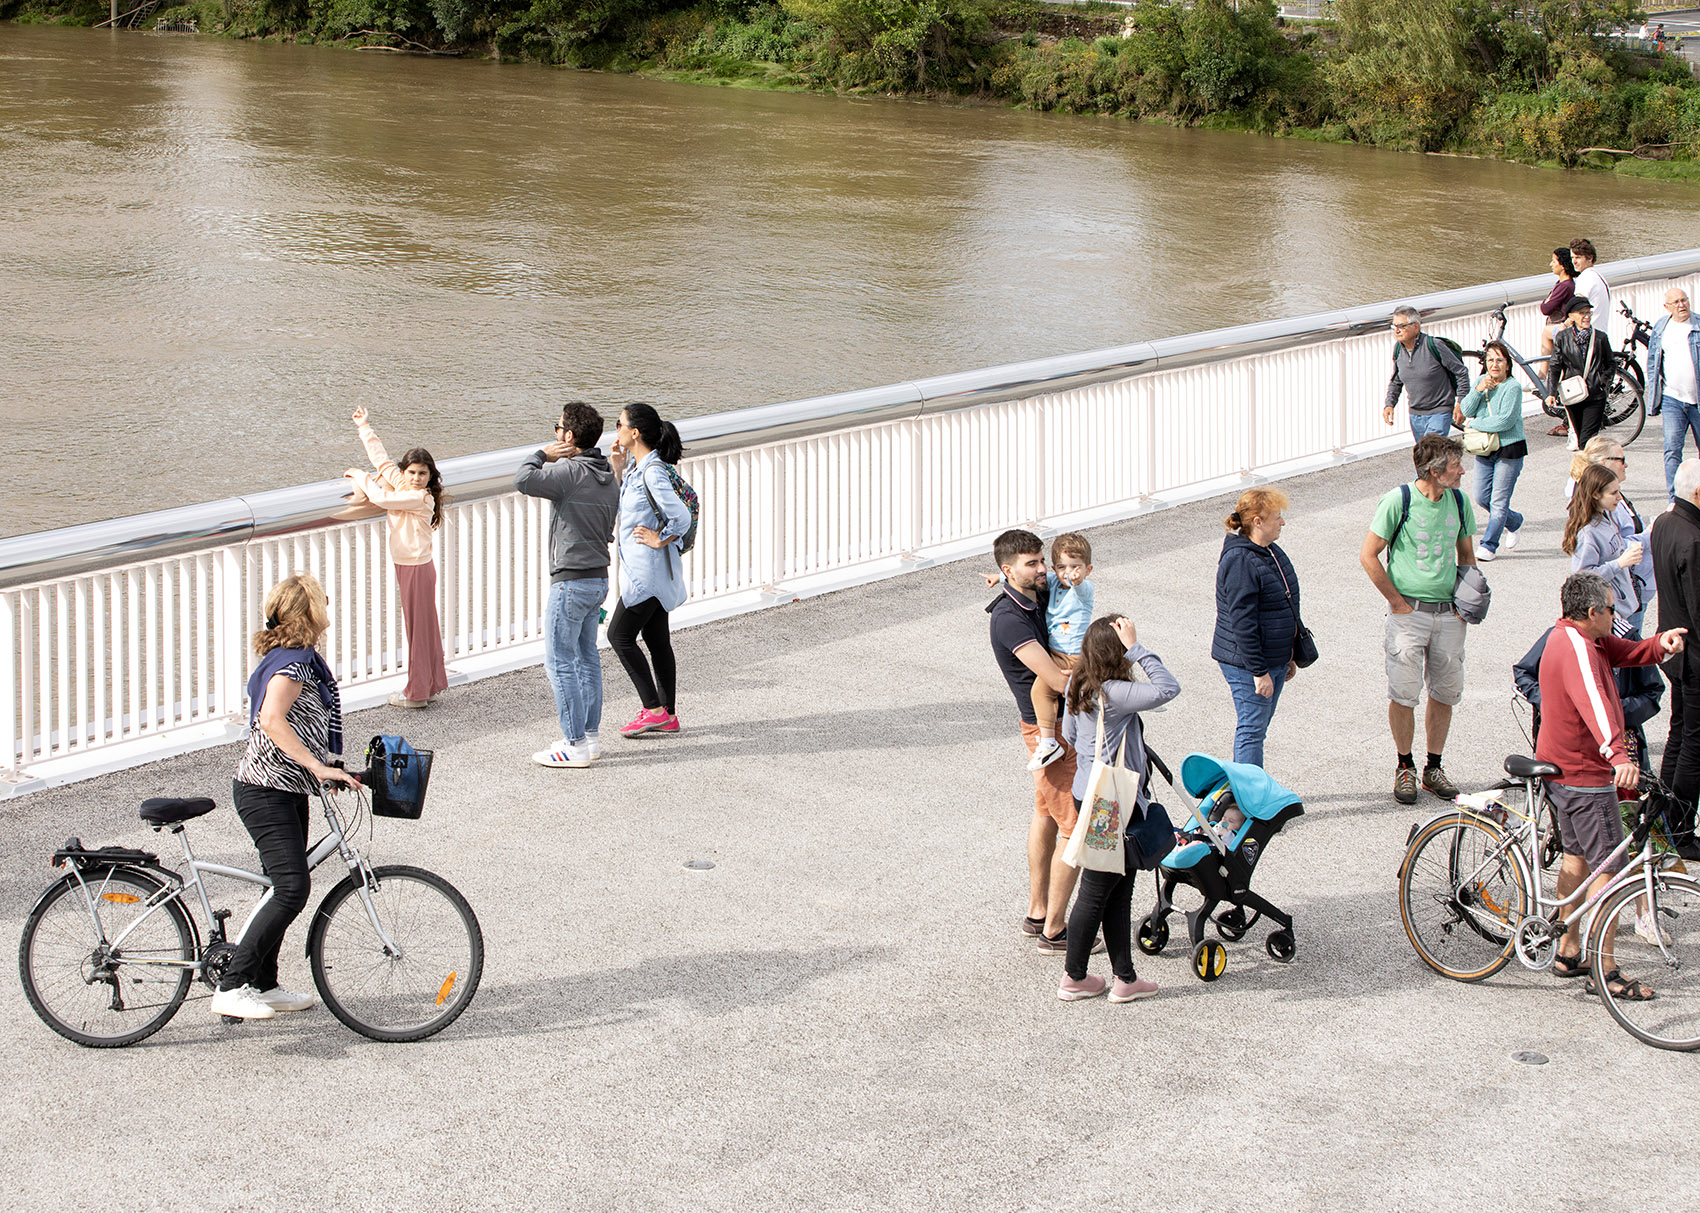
x=1538 y=81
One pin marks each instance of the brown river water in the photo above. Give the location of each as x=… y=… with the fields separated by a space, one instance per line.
x=211 y=251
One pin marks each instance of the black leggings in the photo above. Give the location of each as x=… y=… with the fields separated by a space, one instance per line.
x=1680 y=769
x=277 y=822
x=1586 y=419
x=1106 y=899
x=648 y=620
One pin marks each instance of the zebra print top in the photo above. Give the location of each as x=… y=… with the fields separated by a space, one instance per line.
x=266 y=766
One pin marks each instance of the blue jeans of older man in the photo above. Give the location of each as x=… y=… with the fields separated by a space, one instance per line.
x=570 y=655
x=1496 y=476
x=1430 y=423
x=1252 y=711
x=1680 y=419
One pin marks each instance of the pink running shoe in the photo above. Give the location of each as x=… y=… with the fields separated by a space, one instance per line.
x=647 y=721
x=672 y=725
x=1090 y=986
x=1131 y=991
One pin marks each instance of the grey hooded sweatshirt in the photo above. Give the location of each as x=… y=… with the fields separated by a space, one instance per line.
x=584 y=502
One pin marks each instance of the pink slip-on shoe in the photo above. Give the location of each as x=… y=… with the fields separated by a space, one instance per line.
x=1090 y=986
x=647 y=721
x=1130 y=991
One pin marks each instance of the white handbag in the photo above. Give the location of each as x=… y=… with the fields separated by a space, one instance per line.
x=1112 y=797
x=1573 y=389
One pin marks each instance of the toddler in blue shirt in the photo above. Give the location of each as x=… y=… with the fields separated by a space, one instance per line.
x=1068 y=611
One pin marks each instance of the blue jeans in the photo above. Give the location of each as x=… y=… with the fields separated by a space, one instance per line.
x=1254 y=712
x=1431 y=423
x=570 y=656
x=1680 y=421
x=1496 y=476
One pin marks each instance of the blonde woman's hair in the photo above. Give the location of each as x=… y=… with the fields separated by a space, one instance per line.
x=1255 y=503
x=1594 y=452
x=297 y=615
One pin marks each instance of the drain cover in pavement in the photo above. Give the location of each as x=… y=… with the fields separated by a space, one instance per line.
x=1530 y=1059
x=703 y=865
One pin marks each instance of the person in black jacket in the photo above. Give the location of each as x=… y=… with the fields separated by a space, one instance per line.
x=1257 y=614
x=1676 y=572
x=1638 y=686
x=1582 y=349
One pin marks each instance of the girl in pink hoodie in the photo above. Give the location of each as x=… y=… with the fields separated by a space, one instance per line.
x=411 y=494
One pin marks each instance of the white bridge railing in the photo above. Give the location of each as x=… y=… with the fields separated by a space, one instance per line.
x=128 y=640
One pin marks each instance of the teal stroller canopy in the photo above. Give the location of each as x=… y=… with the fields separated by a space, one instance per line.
x=1258 y=796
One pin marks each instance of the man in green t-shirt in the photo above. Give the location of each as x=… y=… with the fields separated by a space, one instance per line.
x=1425 y=529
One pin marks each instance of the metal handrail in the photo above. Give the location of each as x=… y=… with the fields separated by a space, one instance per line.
x=76 y=550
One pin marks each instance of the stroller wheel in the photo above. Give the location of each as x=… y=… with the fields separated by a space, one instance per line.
x=1231 y=924
x=1209 y=960
x=1280 y=946
x=1153 y=936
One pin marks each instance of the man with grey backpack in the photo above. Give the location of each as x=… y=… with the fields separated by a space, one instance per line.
x=1433 y=589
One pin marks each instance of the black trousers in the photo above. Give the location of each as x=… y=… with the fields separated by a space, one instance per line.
x=648 y=620
x=1586 y=419
x=277 y=822
x=1105 y=899
x=1680 y=767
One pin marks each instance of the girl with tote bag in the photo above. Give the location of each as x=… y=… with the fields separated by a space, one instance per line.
x=1103 y=683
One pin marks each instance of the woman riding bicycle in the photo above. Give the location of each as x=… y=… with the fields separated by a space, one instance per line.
x=295 y=717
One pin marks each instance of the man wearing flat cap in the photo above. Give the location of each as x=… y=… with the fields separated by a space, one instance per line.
x=1581 y=370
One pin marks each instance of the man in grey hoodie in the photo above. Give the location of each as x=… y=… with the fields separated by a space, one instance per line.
x=584 y=499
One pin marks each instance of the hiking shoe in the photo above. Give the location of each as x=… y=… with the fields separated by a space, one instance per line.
x=1089 y=986
x=1435 y=780
x=568 y=755
x=1508 y=539
x=1645 y=930
x=646 y=721
x=1059 y=945
x=670 y=725
x=398 y=700
x=1130 y=991
x=1405 y=785
x=1032 y=926
x=1045 y=753
x=243 y=1003
x=280 y=999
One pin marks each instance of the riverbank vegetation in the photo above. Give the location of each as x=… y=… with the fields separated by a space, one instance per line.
x=1538 y=81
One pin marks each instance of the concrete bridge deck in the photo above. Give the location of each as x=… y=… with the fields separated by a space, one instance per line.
x=840 y=1014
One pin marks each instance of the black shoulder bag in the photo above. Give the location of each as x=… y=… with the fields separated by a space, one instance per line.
x=1304 y=644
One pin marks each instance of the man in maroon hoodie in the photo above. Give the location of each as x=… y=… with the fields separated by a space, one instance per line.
x=1582 y=735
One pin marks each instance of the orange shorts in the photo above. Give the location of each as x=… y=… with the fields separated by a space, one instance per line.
x=1053 y=786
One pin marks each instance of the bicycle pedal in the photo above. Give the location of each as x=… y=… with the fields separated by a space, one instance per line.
x=233 y=1019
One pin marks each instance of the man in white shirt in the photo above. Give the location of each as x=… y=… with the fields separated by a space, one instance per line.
x=1589 y=280
x=1673 y=380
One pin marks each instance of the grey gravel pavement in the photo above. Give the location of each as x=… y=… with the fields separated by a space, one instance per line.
x=841 y=1013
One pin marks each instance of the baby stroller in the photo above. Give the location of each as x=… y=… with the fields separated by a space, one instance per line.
x=1240 y=808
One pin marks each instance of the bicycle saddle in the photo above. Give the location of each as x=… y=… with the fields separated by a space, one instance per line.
x=168 y=810
x=1519 y=767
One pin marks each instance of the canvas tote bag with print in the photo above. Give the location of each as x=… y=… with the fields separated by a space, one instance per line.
x=1112 y=798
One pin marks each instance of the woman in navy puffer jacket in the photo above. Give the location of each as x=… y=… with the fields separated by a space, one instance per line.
x=1257 y=613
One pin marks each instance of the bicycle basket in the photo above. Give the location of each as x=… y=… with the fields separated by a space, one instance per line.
x=397 y=776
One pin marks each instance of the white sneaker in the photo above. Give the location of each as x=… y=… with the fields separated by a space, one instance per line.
x=1508 y=539
x=244 y=1003
x=567 y=755
x=594 y=742
x=1483 y=556
x=1644 y=931
x=1045 y=753
x=280 y=999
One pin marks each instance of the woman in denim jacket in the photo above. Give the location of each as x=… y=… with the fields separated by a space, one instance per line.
x=653 y=520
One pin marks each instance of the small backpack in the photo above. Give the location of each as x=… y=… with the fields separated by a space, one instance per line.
x=1449 y=344
x=687 y=494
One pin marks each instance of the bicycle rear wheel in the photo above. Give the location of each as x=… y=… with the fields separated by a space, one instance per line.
x=102 y=968
x=422 y=984
x=1461 y=893
x=1626 y=411
x=1670 y=969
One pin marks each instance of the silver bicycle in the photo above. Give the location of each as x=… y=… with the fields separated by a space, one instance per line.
x=111 y=949
x=1471 y=897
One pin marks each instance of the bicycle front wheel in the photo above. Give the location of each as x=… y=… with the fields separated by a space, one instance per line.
x=1626 y=411
x=99 y=965
x=414 y=978
x=1666 y=964
x=1461 y=894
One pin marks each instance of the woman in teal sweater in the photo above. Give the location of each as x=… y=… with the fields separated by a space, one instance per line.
x=1496 y=407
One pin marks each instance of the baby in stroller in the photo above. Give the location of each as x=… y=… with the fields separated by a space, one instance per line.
x=1240 y=808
